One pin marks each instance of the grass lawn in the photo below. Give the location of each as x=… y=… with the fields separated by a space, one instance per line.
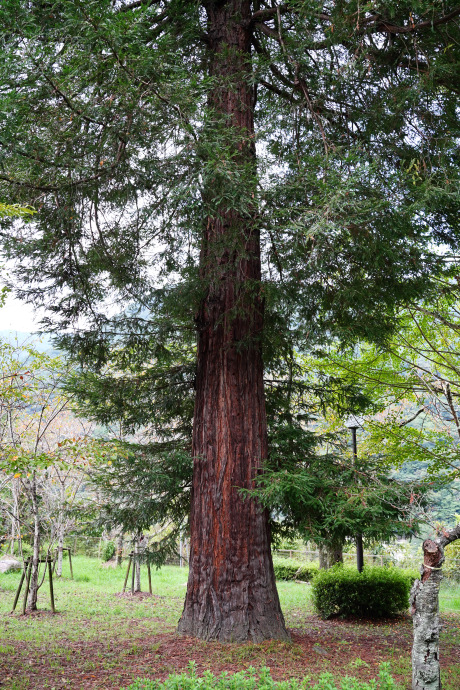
x=100 y=639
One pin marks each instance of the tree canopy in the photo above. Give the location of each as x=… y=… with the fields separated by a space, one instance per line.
x=220 y=183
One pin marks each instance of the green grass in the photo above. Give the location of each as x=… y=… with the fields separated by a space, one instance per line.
x=90 y=597
x=95 y=629
x=449 y=598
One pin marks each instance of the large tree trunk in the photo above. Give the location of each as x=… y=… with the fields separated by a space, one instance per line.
x=231 y=592
x=330 y=554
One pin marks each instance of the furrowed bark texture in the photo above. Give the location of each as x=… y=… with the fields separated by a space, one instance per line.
x=424 y=602
x=231 y=592
x=330 y=555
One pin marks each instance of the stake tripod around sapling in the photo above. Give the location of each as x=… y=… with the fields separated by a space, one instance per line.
x=25 y=575
x=132 y=561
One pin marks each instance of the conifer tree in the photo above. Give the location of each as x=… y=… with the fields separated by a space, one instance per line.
x=240 y=177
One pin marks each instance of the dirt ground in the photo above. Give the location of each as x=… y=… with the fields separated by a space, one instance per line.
x=353 y=648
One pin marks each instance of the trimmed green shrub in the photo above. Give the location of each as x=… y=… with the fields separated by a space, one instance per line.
x=374 y=593
x=108 y=551
x=289 y=569
x=260 y=679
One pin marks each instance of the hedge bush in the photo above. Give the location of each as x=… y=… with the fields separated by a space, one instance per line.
x=289 y=569
x=375 y=593
x=260 y=680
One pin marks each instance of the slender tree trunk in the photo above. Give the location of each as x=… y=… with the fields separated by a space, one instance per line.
x=120 y=548
x=33 y=591
x=137 y=566
x=61 y=530
x=60 y=552
x=231 y=592
x=15 y=526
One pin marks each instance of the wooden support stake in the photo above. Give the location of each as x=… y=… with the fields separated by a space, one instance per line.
x=127 y=573
x=26 y=593
x=21 y=581
x=150 y=577
x=70 y=563
x=50 y=574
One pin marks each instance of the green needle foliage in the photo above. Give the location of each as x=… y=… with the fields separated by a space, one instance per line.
x=167 y=144
x=106 y=122
x=325 y=496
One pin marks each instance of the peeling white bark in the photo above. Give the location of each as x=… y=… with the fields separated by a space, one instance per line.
x=426 y=674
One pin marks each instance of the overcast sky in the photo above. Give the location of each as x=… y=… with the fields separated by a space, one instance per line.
x=18 y=316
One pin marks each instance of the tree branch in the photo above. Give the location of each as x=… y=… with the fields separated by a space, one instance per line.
x=381 y=25
x=449 y=537
x=138 y=3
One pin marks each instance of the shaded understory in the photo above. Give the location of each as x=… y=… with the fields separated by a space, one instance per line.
x=101 y=639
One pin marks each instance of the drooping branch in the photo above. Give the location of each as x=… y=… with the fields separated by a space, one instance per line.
x=138 y=3
x=380 y=25
x=268 y=12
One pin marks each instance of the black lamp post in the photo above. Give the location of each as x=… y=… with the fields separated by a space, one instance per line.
x=353 y=424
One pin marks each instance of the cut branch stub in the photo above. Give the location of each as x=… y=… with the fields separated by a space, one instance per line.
x=425 y=613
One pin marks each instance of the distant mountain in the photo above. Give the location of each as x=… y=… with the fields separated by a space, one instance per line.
x=42 y=343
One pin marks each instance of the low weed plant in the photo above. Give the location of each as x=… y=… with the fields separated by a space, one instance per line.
x=375 y=593
x=261 y=679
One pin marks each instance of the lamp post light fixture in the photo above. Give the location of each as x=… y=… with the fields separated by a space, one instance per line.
x=353 y=423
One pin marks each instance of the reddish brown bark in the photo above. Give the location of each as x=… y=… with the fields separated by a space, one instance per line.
x=231 y=592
